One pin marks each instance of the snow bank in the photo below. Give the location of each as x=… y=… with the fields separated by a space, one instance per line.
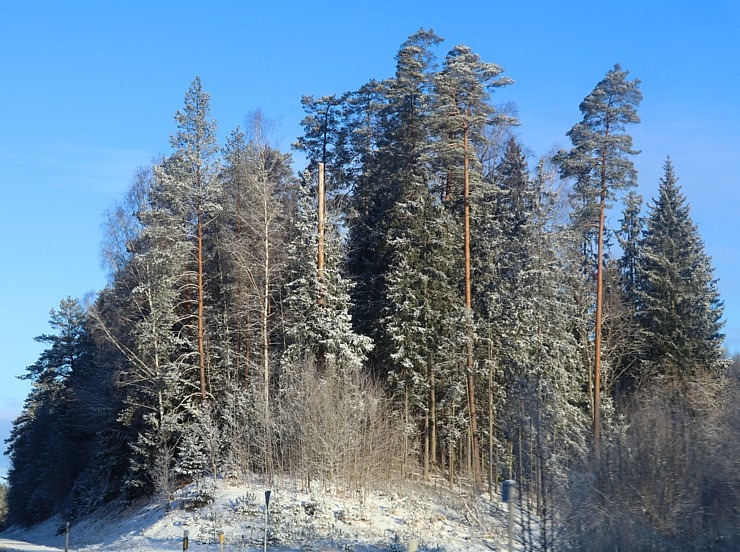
x=320 y=520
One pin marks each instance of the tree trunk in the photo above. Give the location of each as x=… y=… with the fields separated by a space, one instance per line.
x=405 y=429
x=247 y=335
x=433 y=413
x=425 y=474
x=451 y=464
x=491 y=485
x=599 y=301
x=477 y=477
x=201 y=345
x=321 y=209
x=265 y=326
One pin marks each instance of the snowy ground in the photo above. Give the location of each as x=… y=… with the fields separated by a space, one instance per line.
x=436 y=518
x=18 y=546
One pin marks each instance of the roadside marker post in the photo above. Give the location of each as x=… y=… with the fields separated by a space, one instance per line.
x=267 y=508
x=507 y=495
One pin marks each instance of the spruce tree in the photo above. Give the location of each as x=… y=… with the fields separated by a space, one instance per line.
x=622 y=328
x=502 y=229
x=396 y=171
x=319 y=325
x=629 y=241
x=542 y=411
x=324 y=354
x=423 y=310
x=679 y=305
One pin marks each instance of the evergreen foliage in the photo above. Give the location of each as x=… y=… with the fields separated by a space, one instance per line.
x=601 y=165
x=449 y=332
x=679 y=307
x=399 y=167
x=600 y=158
x=50 y=446
x=319 y=325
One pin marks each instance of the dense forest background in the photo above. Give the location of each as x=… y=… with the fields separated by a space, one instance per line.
x=448 y=308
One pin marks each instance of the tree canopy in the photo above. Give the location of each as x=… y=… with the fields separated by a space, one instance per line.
x=447 y=330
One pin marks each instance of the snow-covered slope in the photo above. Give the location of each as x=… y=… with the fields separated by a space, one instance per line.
x=428 y=514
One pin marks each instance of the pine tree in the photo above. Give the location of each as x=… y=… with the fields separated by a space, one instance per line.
x=190 y=176
x=325 y=139
x=679 y=304
x=525 y=341
x=462 y=90
x=359 y=138
x=44 y=446
x=96 y=427
x=600 y=163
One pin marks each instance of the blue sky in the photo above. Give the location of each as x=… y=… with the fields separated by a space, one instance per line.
x=88 y=91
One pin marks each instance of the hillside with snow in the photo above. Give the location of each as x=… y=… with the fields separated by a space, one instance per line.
x=431 y=515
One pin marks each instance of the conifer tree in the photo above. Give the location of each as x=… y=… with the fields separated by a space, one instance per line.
x=542 y=415
x=462 y=91
x=402 y=244
x=325 y=139
x=629 y=241
x=501 y=226
x=679 y=304
x=324 y=354
x=44 y=448
x=397 y=170
x=319 y=321
x=423 y=310
x=600 y=162
x=189 y=184
x=141 y=315
x=623 y=334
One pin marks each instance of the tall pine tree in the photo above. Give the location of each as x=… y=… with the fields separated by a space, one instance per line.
x=462 y=90
x=190 y=179
x=600 y=162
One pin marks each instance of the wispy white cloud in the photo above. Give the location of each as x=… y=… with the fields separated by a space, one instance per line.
x=78 y=168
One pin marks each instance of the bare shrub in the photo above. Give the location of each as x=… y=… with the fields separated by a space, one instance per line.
x=341 y=425
x=670 y=481
x=162 y=474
